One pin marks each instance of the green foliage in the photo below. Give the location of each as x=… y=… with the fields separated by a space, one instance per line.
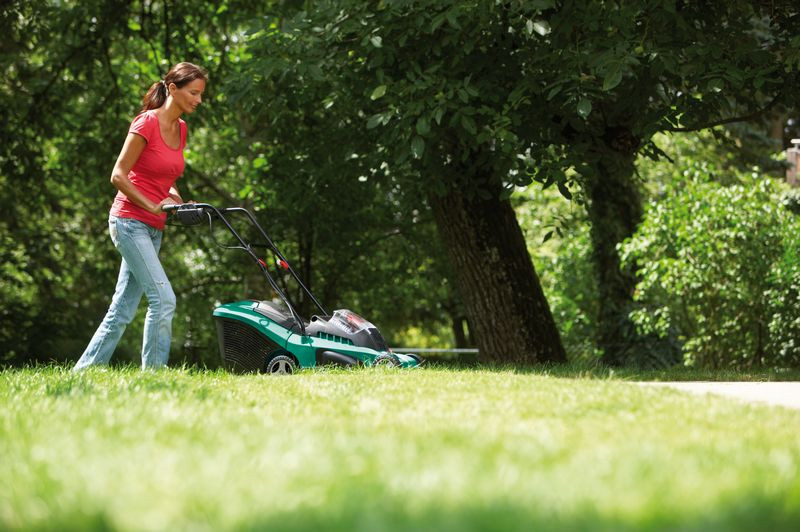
x=557 y=234
x=783 y=298
x=335 y=120
x=707 y=257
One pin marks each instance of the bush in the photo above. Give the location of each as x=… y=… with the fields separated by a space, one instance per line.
x=718 y=267
x=784 y=300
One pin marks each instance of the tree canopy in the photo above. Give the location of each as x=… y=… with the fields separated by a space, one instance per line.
x=382 y=142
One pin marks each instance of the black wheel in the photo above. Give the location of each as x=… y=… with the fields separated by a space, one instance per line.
x=281 y=365
x=386 y=361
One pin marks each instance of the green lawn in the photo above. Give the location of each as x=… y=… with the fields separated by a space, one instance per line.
x=434 y=449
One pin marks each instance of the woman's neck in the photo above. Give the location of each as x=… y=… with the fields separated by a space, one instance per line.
x=169 y=112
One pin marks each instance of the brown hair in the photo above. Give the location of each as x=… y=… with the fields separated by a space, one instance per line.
x=180 y=75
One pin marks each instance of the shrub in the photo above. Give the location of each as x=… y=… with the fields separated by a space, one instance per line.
x=784 y=301
x=716 y=267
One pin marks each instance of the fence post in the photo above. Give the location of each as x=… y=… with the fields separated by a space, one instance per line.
x=793 y=158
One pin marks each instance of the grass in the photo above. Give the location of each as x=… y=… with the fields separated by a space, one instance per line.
x=431 y=449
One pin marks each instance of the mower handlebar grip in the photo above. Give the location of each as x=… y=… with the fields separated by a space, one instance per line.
x=182 y=206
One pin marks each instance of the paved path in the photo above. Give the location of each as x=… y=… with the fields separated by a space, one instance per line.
x=773 y=393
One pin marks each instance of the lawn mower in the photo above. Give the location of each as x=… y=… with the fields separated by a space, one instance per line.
x=269 y=336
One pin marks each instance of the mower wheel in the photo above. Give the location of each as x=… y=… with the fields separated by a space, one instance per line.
x=281 y=365
x=386 y=361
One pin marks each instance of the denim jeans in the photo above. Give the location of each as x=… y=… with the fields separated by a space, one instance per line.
x=141 y=273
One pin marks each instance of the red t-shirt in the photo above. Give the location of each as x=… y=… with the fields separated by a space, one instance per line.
x=154 y=173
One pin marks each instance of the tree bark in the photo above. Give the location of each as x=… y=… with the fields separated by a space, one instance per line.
x=615 y=210
x=508 y=314
x=459 y=334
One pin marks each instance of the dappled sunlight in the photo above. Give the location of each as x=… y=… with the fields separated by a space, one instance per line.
x=457 y=449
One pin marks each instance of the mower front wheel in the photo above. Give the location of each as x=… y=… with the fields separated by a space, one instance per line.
x=281 y=365
x=386 y=361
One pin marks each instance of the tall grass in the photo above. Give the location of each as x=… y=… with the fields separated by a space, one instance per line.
x=435 y=449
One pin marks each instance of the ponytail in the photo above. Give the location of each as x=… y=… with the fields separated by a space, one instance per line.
x=155 y=97
x=180 y=75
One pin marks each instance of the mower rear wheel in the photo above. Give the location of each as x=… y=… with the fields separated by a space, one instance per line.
x=386 y=361
x=281 y=365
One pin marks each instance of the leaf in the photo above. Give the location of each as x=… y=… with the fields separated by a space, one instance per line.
x=437 y=115
x=374 y=120
x=452 y=19
x=469 y=124
x=555 y=90
x=417 y=147
x=547 y=236
x=584 y=107
x=541 y=27
x=423 y=126
x=379 y=91
x=529 y=26
x=258 y=162
x=316 y=72
x=376 y=41
x=564 y=190
x=613 y=78
x=437 y=21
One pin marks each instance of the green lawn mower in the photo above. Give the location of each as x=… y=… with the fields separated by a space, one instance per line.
x=270 y=336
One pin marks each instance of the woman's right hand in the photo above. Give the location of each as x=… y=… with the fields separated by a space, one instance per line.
x=159 y=209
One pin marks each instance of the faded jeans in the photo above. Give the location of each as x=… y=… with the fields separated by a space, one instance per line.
x=141 y=273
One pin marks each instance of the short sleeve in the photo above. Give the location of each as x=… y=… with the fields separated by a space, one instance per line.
x=142 y=125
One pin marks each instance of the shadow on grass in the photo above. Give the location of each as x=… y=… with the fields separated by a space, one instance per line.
x=379 y=515
x=368 y=514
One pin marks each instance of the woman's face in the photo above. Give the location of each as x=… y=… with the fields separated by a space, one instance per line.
x=189 y=96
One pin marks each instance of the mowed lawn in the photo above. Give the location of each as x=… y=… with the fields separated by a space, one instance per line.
x=427 y=449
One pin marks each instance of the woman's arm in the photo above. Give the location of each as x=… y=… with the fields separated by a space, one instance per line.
x=131 y=150
x=175 y=194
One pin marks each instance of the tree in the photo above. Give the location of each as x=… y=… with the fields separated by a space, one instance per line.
x=420 y=95
x=73 y=76
x=474 y=94
x=609 y=75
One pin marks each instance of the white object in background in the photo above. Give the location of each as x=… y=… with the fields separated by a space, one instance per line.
x=793 y=157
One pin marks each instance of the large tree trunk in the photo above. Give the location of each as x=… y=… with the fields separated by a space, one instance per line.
x=504 y=302
x=615 y=210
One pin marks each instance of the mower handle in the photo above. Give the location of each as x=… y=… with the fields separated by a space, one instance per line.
x=193 y=212
x=182 y=206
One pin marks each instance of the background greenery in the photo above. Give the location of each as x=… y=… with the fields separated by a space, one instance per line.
x=330 y=119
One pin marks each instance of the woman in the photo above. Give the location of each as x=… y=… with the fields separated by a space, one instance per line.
x=144 y=175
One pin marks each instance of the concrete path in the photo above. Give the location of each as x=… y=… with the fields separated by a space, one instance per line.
x=773 y=393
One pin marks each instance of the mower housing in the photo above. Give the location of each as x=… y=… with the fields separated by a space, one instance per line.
x=251 y=333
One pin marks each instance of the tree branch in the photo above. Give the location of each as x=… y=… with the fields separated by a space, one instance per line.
x=166 y=33
x=743 y=118
x=208 y=182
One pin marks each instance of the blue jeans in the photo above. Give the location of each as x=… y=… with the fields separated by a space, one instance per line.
x=141 y=273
